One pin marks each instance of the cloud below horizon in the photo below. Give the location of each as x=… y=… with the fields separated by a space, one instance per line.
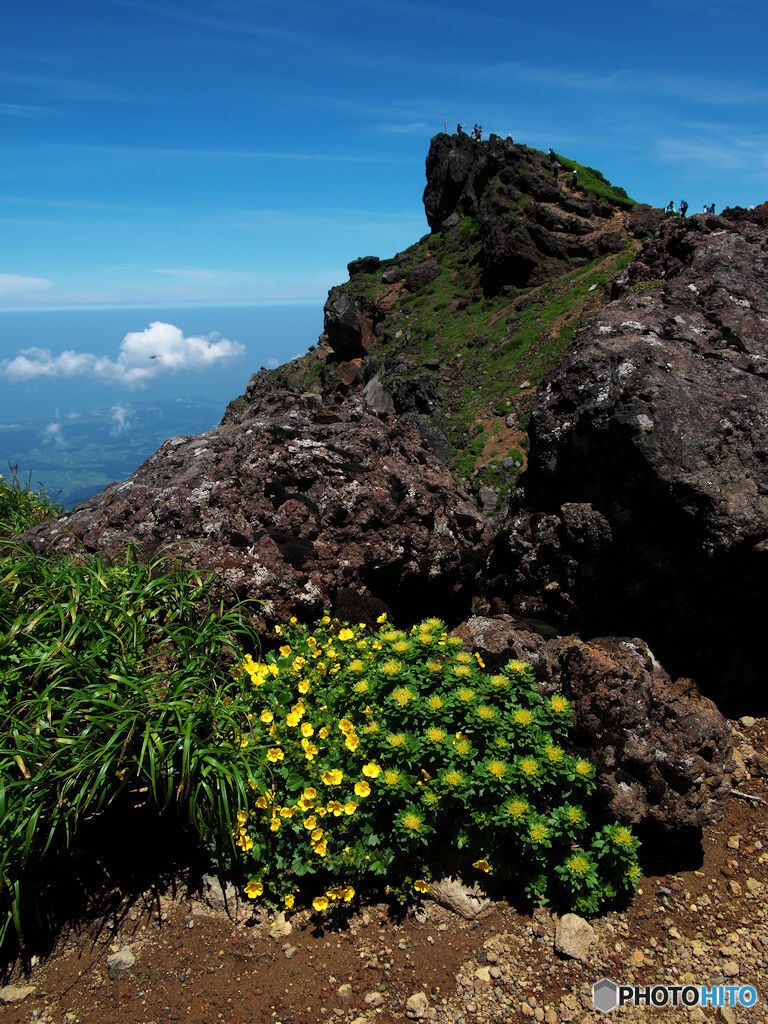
x=143 y=357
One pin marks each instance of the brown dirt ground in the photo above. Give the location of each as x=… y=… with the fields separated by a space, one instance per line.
x=201 y=967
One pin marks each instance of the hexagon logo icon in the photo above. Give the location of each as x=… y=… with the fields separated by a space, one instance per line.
x=605 y=995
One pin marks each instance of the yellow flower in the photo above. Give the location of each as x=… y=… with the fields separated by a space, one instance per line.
x=321 y=848
x=499 y=682
x=292 y=718
x=254 y=889
x=309 y=794
x=577 y=864
x=350 y=807
x=346 y=634
x=462 y=746
x=463 y=658
x=303 y=686
x=261 y=802
x=351 y=742
x=465 y=694
x=335 y=807
x=462 y=671
x=332 y=776
x=522 y=717
x=346 y=726
x=334 y=893
x=287 y=812
x=290 y=899
x=479 y=660
x=363 y=686
x=517 y=666
x=402 y=696
x=371 y=770
x=310 y=823
x=486 y=713
x=396 y=739
x=529 y=766
x=285 y=651
x=435 y=734
x=482 y=865
x=575 y=815
x=382 y=618
x=516 y=808
x=323 y=733
x=274 y=823
x=242 y=817
x=420 y=885
x=391 y=777
x=320 y=903
x=558 y=704
x=583 y=767
x=401 y=646
x=356 y=666
x=392 y=667
x=426 y=638
x=298 y=709
x=309 y=750
x=307 y=729
x=267 y=716
x=554 y=754
x=411 y=821
x=362 y=788
x=317 y=835
x=623 y=837
x=453 y=778
x=275 y=754
x=347 y=893
x=435 y=666
x=435 y=702
x=325 y=619
x=538 y=832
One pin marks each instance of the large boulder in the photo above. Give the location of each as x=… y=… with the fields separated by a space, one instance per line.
x=645 y=508
x=664 y=753
x=299 y=507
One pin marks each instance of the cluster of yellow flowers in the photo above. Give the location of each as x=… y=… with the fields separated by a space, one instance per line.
x=357 y=739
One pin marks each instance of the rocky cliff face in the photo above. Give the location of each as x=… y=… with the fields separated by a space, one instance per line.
x=645 y=506
x=298 y=508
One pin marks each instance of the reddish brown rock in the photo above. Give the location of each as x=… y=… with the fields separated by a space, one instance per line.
x=645 y=510
x=298 y=507
x=663 y=752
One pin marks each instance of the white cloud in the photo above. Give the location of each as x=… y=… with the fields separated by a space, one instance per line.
x=53 y=434
x=121 y=422
x=143 y=356
x=12 y=284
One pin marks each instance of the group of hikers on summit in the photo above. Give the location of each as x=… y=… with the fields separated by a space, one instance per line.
x=554 y=164
x=682 y=210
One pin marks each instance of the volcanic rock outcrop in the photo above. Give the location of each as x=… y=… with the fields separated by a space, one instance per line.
x=298 y=507
x=645 y=508
x=664 y=753
x=530 y=226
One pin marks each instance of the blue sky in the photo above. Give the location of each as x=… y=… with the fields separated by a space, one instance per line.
x=170 y=152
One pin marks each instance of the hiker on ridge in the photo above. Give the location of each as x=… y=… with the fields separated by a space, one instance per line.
x=683 y=207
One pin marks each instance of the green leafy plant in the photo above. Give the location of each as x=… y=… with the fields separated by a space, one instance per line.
x=391 y=759
x=21 y=507
x=114 y=685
